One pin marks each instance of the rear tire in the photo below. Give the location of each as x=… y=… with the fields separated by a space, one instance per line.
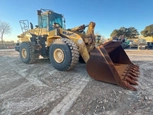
x=27 y=53
x=63 y=54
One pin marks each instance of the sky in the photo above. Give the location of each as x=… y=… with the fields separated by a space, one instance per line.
x=107 y=14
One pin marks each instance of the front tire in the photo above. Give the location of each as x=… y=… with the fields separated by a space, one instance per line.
x=63 y=54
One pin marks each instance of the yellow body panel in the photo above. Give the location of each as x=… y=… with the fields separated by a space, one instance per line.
x=24 y=37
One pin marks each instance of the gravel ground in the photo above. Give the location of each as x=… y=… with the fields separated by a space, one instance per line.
x=39 y=89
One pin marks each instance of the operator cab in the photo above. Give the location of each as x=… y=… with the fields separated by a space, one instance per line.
x=50 y=20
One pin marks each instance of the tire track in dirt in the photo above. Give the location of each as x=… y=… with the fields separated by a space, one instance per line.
x=29 y=74
x=70 y=98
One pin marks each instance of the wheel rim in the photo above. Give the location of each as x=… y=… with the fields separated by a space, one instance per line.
x=24 y=53
x=58 y=55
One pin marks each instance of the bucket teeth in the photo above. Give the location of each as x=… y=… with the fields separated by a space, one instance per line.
x=134 y=70
x=130 y=77
x=134 y=78
x=137 y=72
x=132 y=82
x=132 y=73
x=130 y=87
x=126 y=85
x=133 y=67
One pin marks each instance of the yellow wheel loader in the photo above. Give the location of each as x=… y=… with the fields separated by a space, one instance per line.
x=64 y=47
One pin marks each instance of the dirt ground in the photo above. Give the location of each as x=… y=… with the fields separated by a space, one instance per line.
x=39 y=89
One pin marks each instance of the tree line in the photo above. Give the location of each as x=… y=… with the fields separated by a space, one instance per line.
x=132 y=32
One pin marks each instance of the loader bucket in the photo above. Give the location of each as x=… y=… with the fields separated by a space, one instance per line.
x=109 y=63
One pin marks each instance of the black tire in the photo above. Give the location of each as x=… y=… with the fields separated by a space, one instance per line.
x=31 y=55
x=70 y=51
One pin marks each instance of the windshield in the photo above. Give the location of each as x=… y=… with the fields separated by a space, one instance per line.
x=42 y=21
x=55 y=18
